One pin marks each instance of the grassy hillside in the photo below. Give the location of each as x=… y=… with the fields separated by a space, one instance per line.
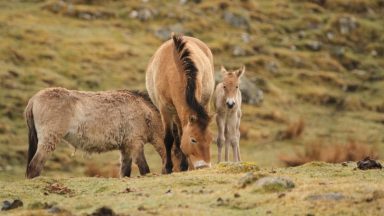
x=320 y=65
x=319 y=189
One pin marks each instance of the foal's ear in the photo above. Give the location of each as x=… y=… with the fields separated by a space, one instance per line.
x=192 y=118
x=241 y=71
x=223 y=70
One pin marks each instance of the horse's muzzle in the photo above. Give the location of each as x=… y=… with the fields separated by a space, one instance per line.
x=201 y=164
x=230 y=105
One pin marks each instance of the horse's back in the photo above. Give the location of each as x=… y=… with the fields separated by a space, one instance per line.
x=165 y=76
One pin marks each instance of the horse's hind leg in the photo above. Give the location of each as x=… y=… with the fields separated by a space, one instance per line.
x=126 y=162
x=46 y=145
x=141 y=161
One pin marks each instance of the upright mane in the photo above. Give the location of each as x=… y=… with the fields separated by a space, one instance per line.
x=191 y=71
x=144 y=95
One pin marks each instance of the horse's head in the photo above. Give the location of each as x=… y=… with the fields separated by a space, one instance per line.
x=231 y=81
x=195 y=142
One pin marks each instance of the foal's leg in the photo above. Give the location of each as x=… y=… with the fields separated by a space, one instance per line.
x=46 y=145
x=232 y=135
x=220 y=121
x=140 y=160
x=238 y=133
x=126 y=162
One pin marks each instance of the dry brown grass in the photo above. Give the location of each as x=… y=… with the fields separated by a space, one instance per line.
x=109 y=171
x=331 y=153
x=244 y=131
x=293 y=130
x=274 y=115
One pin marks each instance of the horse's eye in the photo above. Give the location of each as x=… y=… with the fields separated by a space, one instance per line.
x=237 y=86
x=193 y=141
x=223 y=86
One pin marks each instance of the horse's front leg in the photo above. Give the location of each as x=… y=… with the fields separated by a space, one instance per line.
x=126 y=162
x=177 y=132
x=239 y=114
x=232 y=137
x=168 y=139
x=220 y=121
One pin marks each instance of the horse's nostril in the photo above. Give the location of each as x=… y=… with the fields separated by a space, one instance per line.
x=230 y=105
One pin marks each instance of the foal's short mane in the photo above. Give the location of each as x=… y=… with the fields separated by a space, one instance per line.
x=191 y=71
x=144 y=95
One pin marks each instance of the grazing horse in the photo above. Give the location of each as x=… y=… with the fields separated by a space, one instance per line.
x=227 y=102
x=180 y=82
x=94 y=122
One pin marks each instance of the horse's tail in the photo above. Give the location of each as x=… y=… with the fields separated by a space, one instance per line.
x=32 y=135
x=191 y=71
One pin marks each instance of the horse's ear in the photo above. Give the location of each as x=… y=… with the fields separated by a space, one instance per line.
x=192 y=118
x=241 y=71
x=223 y=70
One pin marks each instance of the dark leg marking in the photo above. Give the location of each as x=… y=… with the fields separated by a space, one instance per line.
x=168 y=141
x=183 y=161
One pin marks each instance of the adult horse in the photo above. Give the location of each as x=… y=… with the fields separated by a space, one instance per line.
x=180 y=82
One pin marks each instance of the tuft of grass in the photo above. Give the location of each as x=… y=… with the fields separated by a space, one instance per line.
x=240 y=167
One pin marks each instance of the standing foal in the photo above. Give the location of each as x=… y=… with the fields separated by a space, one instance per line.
x=227 y=102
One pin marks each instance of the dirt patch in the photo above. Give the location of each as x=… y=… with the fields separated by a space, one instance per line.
x=58 y=188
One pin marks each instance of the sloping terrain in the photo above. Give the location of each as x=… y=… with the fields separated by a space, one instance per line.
x=319 y=189
x=320 y=65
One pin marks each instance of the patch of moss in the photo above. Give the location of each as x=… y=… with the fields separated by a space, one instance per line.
x=240 y=167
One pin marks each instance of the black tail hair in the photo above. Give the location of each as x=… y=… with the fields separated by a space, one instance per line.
x=191 y=71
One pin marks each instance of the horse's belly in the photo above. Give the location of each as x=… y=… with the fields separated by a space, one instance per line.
x=95 y=138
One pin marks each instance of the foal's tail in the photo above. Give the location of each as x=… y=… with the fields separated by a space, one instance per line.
x=32 y=135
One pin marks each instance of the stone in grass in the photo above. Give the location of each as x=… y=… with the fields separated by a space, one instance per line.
x=248 y=179
x=368 y=163
x=11 y=205
x=103 y=211
x=274 y=184
x=333 y=196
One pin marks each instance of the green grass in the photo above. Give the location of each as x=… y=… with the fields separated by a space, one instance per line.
x=337 y=92
x=207 y=192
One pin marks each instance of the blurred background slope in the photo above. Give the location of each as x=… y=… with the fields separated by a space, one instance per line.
x=319 y=63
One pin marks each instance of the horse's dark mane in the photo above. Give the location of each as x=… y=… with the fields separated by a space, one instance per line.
x=191 y=71
x=144 y=95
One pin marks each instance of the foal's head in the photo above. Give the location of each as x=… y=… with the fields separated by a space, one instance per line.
x=195 y=142
x=231 y=81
